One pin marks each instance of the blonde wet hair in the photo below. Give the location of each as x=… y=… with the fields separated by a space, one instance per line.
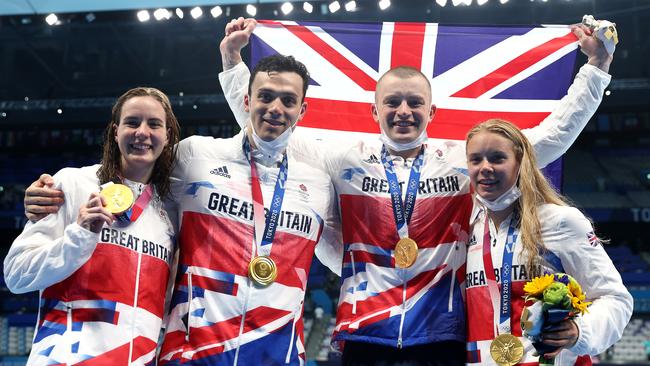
x=535 y=188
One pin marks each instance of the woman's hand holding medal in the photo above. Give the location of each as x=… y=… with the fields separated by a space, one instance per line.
x=94 y=214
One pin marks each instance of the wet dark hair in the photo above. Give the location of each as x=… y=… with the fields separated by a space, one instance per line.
x=281 y=63
x=110 y=169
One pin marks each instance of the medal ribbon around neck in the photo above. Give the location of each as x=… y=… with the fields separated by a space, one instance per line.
x=402 y=210
x=140 y=204
x=500 y=301
x=265 y=228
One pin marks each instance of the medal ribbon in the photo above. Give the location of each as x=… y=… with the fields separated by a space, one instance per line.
x=500 y=301
x=140 y=204
x=265 y=228
x=402 y=211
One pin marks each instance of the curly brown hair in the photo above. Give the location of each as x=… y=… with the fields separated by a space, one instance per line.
x=110 y=164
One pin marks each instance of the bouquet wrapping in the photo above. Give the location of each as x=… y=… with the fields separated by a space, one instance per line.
x=550 y=299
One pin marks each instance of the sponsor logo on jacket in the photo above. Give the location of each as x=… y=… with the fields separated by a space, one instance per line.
x=222 y=171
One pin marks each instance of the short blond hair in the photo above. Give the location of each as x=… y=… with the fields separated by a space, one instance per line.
x=405 y=72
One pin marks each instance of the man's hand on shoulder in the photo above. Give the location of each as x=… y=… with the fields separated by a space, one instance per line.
x=41 y=199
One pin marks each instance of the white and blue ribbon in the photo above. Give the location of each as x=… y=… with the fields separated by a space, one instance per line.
x=402 y=210
x=265 y=229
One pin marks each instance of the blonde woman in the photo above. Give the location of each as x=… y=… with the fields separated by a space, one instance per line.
x=522 y=228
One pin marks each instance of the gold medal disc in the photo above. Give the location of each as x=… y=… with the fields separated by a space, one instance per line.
x=262 y=271
x=506 y=350
x=119 y=198
x=406 y=252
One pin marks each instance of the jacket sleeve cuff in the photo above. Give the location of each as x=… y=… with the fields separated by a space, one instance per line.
x=233 y=72
x=599 y=78
x=581 y=346
x=234 y=83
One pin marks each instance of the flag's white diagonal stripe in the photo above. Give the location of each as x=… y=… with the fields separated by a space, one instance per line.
x=530 y=71
x=491 y=59
x=321 y=70
x=335 y=44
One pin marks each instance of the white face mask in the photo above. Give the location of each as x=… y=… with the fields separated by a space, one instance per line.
x=273 y=150
x=503 y=201
x=397 y=146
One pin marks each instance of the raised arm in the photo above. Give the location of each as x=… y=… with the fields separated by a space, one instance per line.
x=559 y=130
x=235 y=75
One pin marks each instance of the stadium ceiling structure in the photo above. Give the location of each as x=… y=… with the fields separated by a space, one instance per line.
x=95 y=50
x=23 y=7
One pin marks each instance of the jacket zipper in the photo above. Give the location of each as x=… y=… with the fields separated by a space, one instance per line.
x=189 y=304
x=404 y=278
x=450 y=305
x=354 y=273
x=402 y=315
x=293 y=335
x=135 y=306
x=69 y=328
x=243 y=320
x=245 y=306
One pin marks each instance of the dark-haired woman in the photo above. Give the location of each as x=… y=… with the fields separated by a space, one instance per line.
x=103 y=276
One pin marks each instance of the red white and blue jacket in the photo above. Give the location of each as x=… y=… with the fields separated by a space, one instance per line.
x=218 y=316
x=385 y=305
x=571 y=247
x=102 y=296
x=378 y=302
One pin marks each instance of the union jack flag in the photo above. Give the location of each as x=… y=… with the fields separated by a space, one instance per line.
x=593 y=240
x=476 y=72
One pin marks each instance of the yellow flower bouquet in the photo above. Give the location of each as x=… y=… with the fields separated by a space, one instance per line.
x=555 y=298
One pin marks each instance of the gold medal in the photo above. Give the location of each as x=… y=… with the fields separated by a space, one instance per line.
x=262 y=271
x=506 y=350
x=406 y=252
x=119 y=198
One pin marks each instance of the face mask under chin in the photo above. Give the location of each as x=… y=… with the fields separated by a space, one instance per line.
x=502 y=202
x=399 y=146
x=273 y=150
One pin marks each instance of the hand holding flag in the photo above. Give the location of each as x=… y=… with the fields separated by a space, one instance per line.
x=237 y=34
